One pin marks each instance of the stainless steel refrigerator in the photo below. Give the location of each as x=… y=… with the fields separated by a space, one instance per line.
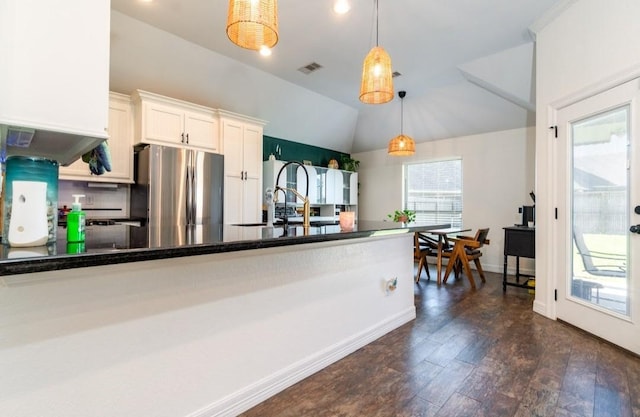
x=179 y=192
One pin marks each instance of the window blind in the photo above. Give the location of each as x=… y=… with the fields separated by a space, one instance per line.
x=434 y=191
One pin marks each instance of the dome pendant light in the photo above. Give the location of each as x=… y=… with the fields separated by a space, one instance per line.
x=377 y=80
x=402 y=145
x=253 y=24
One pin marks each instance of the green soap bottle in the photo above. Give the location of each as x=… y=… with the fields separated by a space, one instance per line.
x=76 y=221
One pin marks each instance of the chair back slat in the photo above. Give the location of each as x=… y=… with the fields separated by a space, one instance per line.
x=481 y=236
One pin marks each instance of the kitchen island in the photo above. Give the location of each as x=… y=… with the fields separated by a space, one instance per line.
x=207 y=327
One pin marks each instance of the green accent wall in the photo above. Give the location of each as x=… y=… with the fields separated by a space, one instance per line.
x=286 y=150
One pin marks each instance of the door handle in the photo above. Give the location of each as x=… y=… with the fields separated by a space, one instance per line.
x=635 y=229
x=637 y=209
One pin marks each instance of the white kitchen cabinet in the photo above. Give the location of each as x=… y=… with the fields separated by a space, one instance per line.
x=165 y=121
x=334 y=186
x=242 y=149
x=292 y=177
x=120 y=146
x=54 y=76
x=330 y=190
x=353 y=188
x=301 y=183
x=327 y=184
x=270 y=171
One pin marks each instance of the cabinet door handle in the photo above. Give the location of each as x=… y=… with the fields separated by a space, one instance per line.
x=187 y=138
x=182 y=135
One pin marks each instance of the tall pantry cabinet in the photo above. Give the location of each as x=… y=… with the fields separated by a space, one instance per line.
x=241 y=139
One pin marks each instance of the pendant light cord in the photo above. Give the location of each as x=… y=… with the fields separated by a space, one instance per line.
x=376 y=22
x=402 y=115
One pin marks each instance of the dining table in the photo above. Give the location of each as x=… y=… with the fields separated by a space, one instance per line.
x=441 y=244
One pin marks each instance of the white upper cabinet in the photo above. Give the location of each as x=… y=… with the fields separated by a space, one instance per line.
x=242 y=148
x=54 y=76
x=270 y=171
x=353 y=188
x=165 y=121
x=301 y=183
x=120 y=147
x=328 y=187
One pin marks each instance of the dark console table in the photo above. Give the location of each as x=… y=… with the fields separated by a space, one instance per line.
x=519 y=241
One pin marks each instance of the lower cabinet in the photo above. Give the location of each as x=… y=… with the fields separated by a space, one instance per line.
x=120 y=147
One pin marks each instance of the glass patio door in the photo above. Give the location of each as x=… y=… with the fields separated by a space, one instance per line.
x=599 y=168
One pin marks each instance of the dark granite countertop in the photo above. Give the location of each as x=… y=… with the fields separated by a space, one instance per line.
x=122 y=243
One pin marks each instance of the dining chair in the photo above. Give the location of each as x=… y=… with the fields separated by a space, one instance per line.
x=429 y=247
x=467 y=249
x=422 y=247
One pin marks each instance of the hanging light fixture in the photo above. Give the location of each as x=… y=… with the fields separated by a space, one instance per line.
x=253 y=24
x=402 y=145
x=377 y=80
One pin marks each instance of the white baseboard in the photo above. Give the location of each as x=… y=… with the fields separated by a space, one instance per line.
x=499 y=269
x=254 y=394
x=541 y=308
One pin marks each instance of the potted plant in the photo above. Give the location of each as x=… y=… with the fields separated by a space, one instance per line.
x=403 y=216
x=349 y=164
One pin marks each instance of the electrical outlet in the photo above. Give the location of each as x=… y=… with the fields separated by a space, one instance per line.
x=391 y=285
x=89 y=200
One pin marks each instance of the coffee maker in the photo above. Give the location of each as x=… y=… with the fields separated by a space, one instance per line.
x=528 y=212
x=528 y=215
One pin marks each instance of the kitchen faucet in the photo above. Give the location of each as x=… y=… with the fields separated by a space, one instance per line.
x=305 y=198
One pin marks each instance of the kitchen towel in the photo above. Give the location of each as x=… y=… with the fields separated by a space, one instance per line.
x=99 y=159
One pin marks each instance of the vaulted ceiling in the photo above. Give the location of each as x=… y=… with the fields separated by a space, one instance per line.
x=467 y=65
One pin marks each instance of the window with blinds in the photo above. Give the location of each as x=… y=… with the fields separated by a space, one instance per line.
x=434 y=191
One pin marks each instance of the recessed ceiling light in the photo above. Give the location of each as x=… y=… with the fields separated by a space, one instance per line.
x=341 y=6
x=265 y=50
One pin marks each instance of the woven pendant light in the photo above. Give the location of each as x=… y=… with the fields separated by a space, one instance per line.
x=253 y=24
x=401 y=145
x=377 y=79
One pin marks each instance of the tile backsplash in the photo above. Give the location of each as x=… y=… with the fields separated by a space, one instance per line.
x=101 y=201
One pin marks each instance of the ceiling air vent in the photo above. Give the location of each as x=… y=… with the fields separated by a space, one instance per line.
x=309 y=68
x=395 y=74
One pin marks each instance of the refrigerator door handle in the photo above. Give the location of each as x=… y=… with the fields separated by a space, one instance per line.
x=189 y=188
x=194 y=182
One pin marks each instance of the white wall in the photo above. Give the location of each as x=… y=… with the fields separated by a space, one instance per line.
x=589 y=44
x=498 y=174
x=144 y=57
x=197 y=336
x=99 y=202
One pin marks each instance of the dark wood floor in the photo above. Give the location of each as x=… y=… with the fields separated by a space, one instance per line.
x=471 y=353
